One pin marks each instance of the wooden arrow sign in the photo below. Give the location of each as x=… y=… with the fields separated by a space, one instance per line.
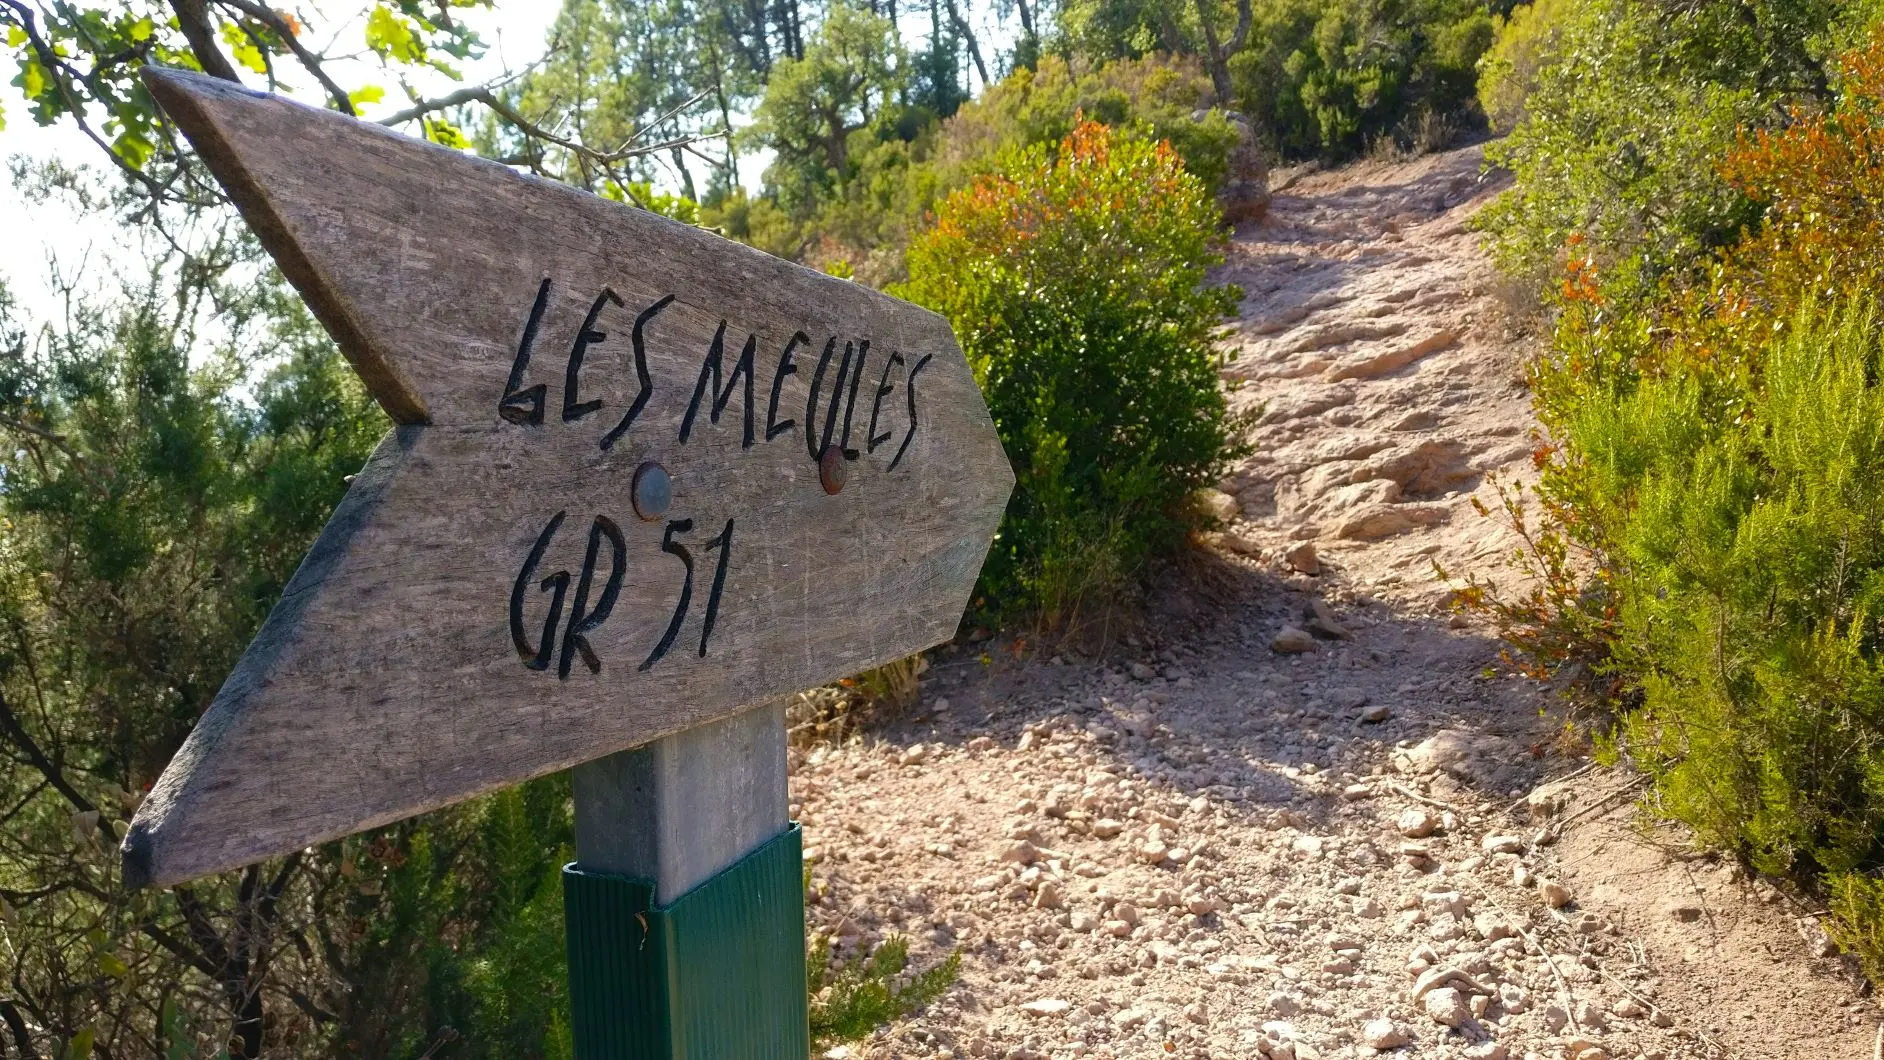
x=507 y=590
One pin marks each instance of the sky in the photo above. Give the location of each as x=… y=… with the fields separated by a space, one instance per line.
x=89 y=246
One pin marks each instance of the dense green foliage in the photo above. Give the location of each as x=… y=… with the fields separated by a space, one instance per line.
x=152 y=512
x=1335 y=79
x=1522 y=43
x=1074 y=281
x=1630 y=106
x=861 y=221
x=1713 y=497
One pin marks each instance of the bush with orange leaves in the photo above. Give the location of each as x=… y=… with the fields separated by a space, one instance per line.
x=1717 y=463
x=1075 y=278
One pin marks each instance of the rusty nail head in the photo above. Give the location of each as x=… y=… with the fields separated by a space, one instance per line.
x=652 y=491
x=831 y=469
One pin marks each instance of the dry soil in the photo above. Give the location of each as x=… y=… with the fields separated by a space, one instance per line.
x=1201 y=846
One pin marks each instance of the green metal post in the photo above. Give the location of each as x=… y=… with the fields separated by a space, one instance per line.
x=685 y=909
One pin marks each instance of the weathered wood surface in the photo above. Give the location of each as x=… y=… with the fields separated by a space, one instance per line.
x=394 y=677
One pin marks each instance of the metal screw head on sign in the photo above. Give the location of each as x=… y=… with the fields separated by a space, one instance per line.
x=652 y=491
x=831 y=469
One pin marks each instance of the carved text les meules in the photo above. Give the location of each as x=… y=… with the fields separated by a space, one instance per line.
x=714 y=389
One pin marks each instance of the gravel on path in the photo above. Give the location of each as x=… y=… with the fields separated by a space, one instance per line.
x=1304 y=815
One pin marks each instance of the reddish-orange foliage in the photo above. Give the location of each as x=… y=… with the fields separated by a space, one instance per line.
x=1821 y=178
x=1000 y=213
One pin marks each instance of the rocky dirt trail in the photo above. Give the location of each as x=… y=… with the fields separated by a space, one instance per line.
x=1301 y=817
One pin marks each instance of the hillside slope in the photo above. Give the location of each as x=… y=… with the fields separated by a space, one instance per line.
x=1209 y=848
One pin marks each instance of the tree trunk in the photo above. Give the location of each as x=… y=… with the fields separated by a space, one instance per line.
x=968 y=35
x=193 y=20
x=1217 y=53
x=686 y=175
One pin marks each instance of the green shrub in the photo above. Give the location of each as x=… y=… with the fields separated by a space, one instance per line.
x=1521 y=45
x=862 y=994
x=1720 y=461
x=1625 y=121
x=1074 y=281
x=896 y=172
x=1751 y=592
x=1156 y=96
x=1331 y=79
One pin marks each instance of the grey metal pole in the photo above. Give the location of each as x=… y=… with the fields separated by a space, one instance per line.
x=681 y=809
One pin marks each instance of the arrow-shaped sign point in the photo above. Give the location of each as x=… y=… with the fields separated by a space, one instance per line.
x=505 y=591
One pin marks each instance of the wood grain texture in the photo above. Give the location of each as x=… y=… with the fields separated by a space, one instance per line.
x=389 y=680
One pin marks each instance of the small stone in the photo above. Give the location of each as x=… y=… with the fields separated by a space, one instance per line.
x=915 y=754
x=1292 y=641
x=1487 y=1051
x=1083 y=922
x=1126 y=1019
x=1522 y=876
x=1283 y=1003
x=1376 y=714
x=1417 y=822
x=1685 y=910
x=1492 y=927
x=1319 y=619
x=1503 y=844
x=1218 y=505
x=1555 y=1018
x=1240 y=544
x=1023 y=852
x=1152 y=852
x=1107 y=828
x=1027 y=741
x=1302 y=559
x=1383 y=1034
x=1448 y=1006
x=1818 y=943
x=1051 y=1006
x=1555 y=894
x=1048 y=897
x=1590 y=1016
x=1197 y=1013
x=1143 y=672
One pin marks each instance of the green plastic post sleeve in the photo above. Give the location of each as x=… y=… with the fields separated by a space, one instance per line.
x=717 y=975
